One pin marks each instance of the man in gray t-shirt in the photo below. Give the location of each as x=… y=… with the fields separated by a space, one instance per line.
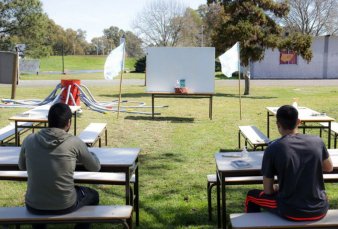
x=298 y=161
x=50 y=158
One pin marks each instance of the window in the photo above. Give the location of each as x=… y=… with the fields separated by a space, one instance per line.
x=287 y=57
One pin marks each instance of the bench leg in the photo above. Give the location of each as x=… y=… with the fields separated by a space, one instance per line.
x=239 y=139
x=106 y=136
x=209 y=188
x=100 y=141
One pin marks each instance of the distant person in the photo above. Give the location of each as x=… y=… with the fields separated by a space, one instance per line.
x=298 y=161
x=50 y=157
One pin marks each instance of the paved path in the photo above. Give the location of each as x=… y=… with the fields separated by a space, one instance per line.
x=89 y=83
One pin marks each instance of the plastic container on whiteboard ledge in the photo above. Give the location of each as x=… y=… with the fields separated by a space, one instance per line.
x=182 y=82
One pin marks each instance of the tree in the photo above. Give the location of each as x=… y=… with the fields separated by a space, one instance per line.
x=251 y=22
x=315 y=17
x=191 y=33
x=133 y=45
x=160 y=22
x=113 y=35
x=23 y=21
x=212 y=16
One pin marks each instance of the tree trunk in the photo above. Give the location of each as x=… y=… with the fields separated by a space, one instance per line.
x=247 y=84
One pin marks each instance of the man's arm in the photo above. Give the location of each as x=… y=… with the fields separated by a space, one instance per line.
x=327 y=165
x=268 y=185
x=22 y=159
x=88 y=159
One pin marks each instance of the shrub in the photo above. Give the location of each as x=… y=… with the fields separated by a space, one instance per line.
x=140 y=65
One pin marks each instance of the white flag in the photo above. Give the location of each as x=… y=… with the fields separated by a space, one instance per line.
x=230 y=60
x=115 y=62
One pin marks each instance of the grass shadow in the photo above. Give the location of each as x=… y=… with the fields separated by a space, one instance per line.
x=244 y=96
x=161 y=119
x=124 y=95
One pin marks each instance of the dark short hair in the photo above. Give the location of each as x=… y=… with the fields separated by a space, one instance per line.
x=287 y=117
x=59 y=114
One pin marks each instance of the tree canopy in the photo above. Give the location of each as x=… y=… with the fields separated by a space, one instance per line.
x=252 y=23
x=22 y=20
x=315 y=17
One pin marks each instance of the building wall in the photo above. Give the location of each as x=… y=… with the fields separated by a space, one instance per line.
x=324 y=63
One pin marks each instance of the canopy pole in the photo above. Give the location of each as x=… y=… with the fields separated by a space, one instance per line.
x=122 y=68
x=239 y=83
x=120 y=92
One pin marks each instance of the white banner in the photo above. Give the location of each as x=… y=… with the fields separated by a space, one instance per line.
x=230 y=60
x=115 y=62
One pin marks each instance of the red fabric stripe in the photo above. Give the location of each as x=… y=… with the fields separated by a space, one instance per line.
x=305 y=219
x=267 y=200
x=262 y=200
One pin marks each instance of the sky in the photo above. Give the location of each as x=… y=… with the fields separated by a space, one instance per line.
x=95 y=15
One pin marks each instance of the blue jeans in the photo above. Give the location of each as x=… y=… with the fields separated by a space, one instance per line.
x=85 y=196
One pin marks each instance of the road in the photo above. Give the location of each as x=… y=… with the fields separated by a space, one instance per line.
x=281 y=83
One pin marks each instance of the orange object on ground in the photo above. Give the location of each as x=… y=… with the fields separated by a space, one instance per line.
x=73 y=90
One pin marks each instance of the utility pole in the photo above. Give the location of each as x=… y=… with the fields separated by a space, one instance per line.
x=63 y=61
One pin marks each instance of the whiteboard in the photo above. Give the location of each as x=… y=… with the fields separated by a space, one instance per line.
x=166 y=65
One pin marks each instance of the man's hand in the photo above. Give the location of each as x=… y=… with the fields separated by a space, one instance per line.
x=268 y=185
x=327 y=165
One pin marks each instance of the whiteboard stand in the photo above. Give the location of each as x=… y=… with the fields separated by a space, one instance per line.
x=178 y=95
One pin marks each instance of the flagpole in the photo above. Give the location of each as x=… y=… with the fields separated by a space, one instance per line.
x=120 y=91
x=239 y=82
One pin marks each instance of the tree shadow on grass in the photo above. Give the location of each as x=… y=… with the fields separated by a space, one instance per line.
x=129 y=95
x=244 y=96
x=161 y=119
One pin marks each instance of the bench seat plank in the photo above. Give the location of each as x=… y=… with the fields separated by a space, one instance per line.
x=92 y=133
x=9 y=130
x=100 y=213
x=268 y=220
x=330 y=177
x=334 y=126
x=254 y=135
x=79 y=177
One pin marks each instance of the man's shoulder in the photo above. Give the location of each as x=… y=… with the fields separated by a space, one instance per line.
x=29 y=138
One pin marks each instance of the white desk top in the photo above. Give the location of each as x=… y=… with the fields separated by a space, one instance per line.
x=109 y=157
x=255 y=158
x=38 y=114
x=306 y=114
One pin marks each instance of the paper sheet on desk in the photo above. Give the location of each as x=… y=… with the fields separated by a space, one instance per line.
x=240 y=164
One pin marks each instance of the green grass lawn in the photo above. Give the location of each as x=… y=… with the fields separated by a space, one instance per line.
x=178 y=147
x=83 y=62
x=73 y=63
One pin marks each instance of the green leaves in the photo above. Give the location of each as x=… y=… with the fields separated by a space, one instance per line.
x=253 y=24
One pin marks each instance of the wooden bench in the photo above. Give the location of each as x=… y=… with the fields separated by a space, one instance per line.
x=7 y=133
x=253 y=136
x=334 y=131
x=85 y=178
x=268 y=220
x=86 y=214
x=211 y=182
x=93 y=133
